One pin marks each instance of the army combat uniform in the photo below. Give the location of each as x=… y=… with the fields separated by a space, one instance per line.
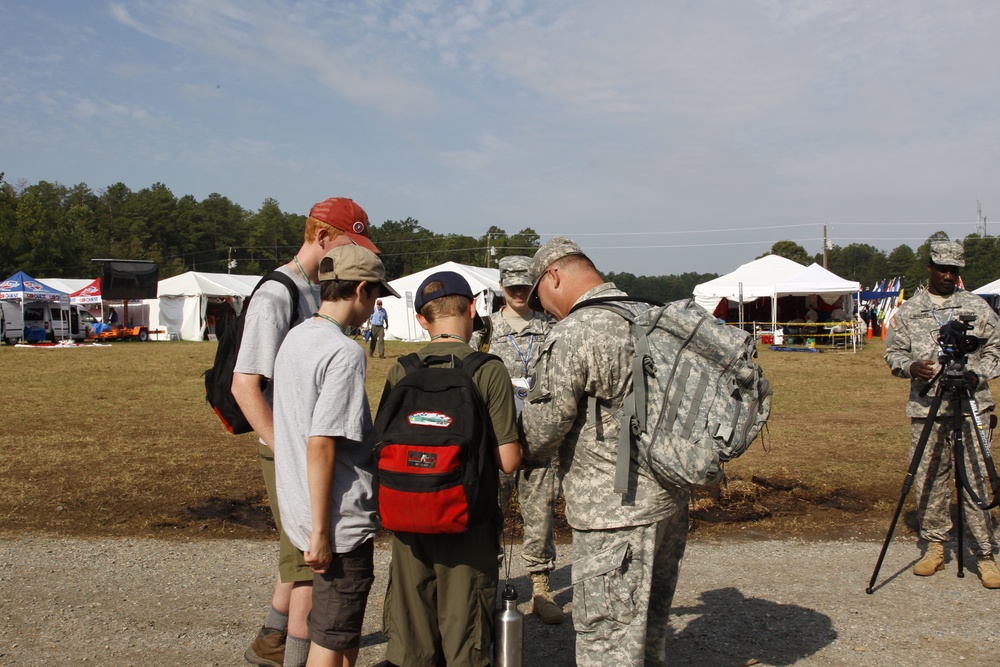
x=628 y=547
x=537 y=486
x=912 y=336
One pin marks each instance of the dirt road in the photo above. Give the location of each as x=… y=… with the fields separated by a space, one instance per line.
x=142 y=602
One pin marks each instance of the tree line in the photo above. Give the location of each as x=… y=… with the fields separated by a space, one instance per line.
x=869 y=265
x=54 y=231
x=51 y=230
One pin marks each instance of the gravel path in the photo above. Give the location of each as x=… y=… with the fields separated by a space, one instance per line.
x=143 y=602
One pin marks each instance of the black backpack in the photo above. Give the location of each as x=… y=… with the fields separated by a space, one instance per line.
x=436 y=470
x=219 y=378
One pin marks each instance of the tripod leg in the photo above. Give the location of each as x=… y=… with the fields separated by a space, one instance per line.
x=918 y=453
x=958 y=458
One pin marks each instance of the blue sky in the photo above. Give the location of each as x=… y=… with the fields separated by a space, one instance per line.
x=663 y=136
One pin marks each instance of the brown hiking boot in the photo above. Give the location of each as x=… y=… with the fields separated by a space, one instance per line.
x=932 y=561
x=988 y=572
x=268 y=648
x=542 y=602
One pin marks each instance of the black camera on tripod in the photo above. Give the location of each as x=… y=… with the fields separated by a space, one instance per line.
x=954 y=339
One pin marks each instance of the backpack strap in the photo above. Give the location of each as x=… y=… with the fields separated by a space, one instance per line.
x=634 y=406
x=410 y=362
x=293 y=290
x=470 y=364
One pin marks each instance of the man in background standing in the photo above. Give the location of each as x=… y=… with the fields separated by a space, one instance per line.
x=379 y=321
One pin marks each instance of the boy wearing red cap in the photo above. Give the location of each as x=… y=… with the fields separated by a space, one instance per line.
x=333 y=222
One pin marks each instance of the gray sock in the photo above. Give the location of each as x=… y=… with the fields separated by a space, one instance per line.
x=296 y=652
x=276 y=620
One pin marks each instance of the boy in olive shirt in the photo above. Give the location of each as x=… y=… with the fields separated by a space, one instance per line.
x=450 y=620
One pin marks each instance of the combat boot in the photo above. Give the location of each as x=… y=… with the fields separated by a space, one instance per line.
x=267 y=649
x=542 y=602
x=932 y=561
x=988 y=572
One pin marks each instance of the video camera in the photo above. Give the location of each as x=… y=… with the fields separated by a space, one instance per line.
x=954 y=340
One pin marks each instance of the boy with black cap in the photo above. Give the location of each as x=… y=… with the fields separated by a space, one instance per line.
x=440 y=600
x=324 y=467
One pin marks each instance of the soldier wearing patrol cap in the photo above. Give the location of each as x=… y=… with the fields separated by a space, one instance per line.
x=912 y=352
x=627 y=547
x=518 y=332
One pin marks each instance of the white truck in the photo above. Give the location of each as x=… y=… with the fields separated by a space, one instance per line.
x=44 y=321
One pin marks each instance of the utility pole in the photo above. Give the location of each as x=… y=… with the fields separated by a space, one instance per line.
x=825 y=246
x=980 y=220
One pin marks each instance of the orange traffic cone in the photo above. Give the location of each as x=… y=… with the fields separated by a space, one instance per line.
x=870 y=335
x=883 y=331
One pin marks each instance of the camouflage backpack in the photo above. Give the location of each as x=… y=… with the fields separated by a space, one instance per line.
x=697 y=398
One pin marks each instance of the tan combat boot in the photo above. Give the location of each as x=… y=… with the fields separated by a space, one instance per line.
x=542 y=602
x=988 y=572
x=932 y=561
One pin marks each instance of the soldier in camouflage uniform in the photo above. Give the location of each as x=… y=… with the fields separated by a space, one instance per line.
x=912 y=352
x=628 y=547
x=516 y=335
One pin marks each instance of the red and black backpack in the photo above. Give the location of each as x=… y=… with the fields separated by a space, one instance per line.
x=436 y=469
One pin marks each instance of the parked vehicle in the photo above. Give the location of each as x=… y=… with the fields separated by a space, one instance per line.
x=11 y=322
x=52 y=322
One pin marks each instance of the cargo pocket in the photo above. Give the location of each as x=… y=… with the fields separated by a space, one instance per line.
x=603 y=592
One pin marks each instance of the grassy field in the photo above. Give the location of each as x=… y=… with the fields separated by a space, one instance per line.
x=119 y=441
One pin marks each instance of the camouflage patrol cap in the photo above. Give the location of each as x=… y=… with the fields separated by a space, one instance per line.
x=554 y=249
x=514 y=271
x=947 y=253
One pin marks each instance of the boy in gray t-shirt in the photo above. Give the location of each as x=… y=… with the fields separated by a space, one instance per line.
x=323 y=450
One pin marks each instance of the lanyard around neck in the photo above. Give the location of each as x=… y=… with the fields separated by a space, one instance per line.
x=525 y=357
x=308 y=282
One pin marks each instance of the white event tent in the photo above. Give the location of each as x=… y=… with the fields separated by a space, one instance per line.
x=485 y=284
x=990 y=292
x=773 y=277
x=182 y=301
x=753 y=280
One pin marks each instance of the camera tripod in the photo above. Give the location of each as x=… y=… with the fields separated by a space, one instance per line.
x=953 y=385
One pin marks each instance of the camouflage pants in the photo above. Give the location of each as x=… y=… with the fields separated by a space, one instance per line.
x=537 y=490
x=934 y=482
x=623 y=585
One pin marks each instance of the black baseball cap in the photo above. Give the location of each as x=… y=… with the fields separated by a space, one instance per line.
x=453 y=284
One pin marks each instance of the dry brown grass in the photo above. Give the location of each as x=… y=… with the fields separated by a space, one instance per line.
x=119 y=441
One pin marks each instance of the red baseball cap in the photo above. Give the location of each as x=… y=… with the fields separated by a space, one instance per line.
x=343 y=214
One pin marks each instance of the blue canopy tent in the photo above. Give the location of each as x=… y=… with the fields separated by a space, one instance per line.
x=21 y=287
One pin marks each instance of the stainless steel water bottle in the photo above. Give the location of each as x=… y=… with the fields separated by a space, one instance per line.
x=508 y=643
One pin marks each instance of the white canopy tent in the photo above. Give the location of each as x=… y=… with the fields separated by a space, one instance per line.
x=988 y=289
x=182 y=301
x=990 y=292
x=814 y=279
x=753 y=280
x=485 y=284
x=774 y=277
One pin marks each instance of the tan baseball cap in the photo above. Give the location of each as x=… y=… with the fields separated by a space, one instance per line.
x=352 y=262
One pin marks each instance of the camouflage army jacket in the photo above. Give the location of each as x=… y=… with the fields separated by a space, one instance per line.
x=912 y=335
x=517 y=349
x=589 y=353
